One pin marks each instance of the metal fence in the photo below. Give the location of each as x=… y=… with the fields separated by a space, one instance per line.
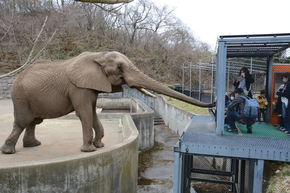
x=198 y=79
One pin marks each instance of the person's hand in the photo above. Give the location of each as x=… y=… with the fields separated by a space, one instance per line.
x=239 y=78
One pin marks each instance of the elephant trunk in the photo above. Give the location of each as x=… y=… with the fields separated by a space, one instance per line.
x=143 y=81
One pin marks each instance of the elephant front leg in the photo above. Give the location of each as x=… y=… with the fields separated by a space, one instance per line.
x=86 y=118
x=99 y=132
x=9 y=145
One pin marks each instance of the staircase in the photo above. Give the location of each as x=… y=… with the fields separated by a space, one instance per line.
x=158 y=120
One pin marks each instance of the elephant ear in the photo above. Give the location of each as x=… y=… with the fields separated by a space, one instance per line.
x=84 y=72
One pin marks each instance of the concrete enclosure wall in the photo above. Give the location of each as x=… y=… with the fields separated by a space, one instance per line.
x=174 y=117
x=111 y=170
x=142 y=115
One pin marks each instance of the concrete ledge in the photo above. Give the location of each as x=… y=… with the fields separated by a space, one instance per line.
x=113 y=168
x=142 y=115
x=174 y=117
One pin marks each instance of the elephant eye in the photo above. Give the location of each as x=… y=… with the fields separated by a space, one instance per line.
x=120 y=64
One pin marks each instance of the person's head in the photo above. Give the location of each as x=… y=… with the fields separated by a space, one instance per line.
x=285 y=78
x=238 y=92
x=244 y=72
x=232 y=96
x=262 y=92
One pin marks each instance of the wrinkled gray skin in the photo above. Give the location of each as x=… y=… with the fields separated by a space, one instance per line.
x=52 y=89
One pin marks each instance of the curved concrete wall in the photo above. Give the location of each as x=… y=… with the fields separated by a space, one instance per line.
x=111 y=170
x=174 y=117
x=142 y=115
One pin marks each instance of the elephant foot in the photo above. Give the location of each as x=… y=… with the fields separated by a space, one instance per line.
x=8 y=149
x=31 y=143
x=98 y=144
x=88 y=148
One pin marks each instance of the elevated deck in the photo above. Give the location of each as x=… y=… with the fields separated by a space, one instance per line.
x=200 y=139
x=261 y=130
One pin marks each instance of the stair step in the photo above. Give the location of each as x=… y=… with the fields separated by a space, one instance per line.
x=158 y=120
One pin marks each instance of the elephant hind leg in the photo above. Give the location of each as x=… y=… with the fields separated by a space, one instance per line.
x=22 y=119
x=29 y=139
x=9 y=145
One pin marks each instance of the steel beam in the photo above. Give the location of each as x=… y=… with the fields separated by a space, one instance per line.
x=220 y=86
x=177 y=172
x=254 y=35
x=190 y=86
x=183 y=78
x=258 y=168
x=256 y=40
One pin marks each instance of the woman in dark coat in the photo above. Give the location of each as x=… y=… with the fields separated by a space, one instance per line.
x=244 y=81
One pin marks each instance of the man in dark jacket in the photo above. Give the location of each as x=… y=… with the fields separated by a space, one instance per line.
x=286 y=94
x=234 y=112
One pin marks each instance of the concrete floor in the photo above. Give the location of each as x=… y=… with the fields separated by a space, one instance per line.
x=61 y=138
x=156 y=164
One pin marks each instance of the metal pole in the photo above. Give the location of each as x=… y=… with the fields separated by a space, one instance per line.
x=190 y=80
x=228 y=77
x=242 y=176
x=255 y=82
x=251 y=65
x=211 y=86
x=199 y=83
x=270 y=62
x=220 y=86
x=177 y=172
x=183 y=78
x=258 y=176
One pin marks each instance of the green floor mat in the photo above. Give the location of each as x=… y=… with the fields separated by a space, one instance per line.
x=260 y=130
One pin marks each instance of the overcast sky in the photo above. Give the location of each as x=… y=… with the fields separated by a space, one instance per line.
x=210 y=18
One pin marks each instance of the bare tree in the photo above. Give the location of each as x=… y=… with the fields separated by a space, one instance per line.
x=150 y=35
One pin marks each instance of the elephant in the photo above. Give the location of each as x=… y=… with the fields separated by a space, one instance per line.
x=52 y=89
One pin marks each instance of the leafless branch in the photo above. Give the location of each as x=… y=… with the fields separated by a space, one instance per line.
x=2 y=38
x=36 y=40
x=10 y=26
x=29 y=60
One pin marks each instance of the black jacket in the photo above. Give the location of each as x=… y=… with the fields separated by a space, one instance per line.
x=237 y=104
x=286 y=92
x=249 y=81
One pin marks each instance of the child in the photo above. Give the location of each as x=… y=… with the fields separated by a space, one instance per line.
x=263 y=103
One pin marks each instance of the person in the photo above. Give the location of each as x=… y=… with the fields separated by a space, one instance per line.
x=263 y=103
x=234 y=112
x=244 y=81
x=284 y=93
x=229 y=98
